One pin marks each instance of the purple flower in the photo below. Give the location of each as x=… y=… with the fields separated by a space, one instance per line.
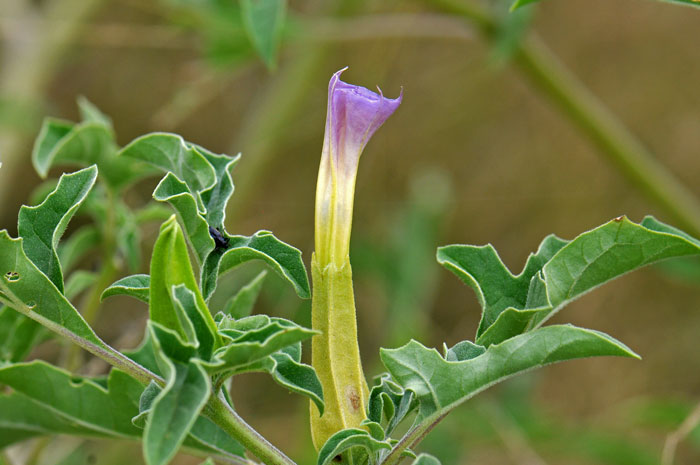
x=354 y=114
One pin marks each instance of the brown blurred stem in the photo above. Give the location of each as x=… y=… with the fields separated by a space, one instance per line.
x=689 y=424
x=614 y=141
x=28 y=65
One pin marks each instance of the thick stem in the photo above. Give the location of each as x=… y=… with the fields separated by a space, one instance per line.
x=614 y=141
x=221 y=413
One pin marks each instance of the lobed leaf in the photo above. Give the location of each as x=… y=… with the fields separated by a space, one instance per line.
x=286 y=369
x=42 y=226
x=559 y=273
x=176 y=193
x=171 y=153
x=357 y=440
x=391 y=401
x=48 y=400
x=217 y=196
x=440 y=385
x=253 y=338
x=88 y=143
x=28 y=290
x=105 y=411
x=263 y=245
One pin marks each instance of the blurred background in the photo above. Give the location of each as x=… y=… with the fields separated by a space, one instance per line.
x=482 y=150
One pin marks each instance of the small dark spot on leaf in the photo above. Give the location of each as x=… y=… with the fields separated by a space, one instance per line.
x=12 y=276
x=337 y=458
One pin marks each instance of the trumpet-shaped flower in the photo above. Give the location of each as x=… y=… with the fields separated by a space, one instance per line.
x=354 y=114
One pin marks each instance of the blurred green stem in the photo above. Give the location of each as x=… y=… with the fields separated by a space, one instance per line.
x=108 y=272
x=592 y=117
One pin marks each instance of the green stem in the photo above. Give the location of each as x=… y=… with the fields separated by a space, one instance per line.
x=221 y=413
x=217 y=409
x=91 y=303
x=413 y=437
x=593 y=119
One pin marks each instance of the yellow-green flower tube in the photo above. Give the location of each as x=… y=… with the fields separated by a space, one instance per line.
x=354 y=114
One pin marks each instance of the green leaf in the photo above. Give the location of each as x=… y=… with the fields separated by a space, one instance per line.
x=263 y=245
x=175 y=411
x=27 y=290
x=41 y=227
x=176 y=193
x=559 y=273
x=87 y=143
x=693 y=3
x=343 y=441
x=242 y=303
x=20 y=334
x=389 y=400
x=82 y=402
x=441 y=385
x=260 y=343
x=187 y=304
x=217 y=196
x=170 y=266
x=176 y=408
x=253 y=338
x=263 y=21
x=170 y=153
x=137 y=286
x=286 y=369
x=48 y=400
x=204 y=434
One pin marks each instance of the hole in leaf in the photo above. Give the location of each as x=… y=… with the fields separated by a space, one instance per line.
x=337 y=458
x=31 y=304
x=12 y=276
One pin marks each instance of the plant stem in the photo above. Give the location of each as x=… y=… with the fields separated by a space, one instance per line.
x=413 y=437
x=91 y=303
x=675 y=438
x=593 y=119
x=221 y=413
x=217 y=409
